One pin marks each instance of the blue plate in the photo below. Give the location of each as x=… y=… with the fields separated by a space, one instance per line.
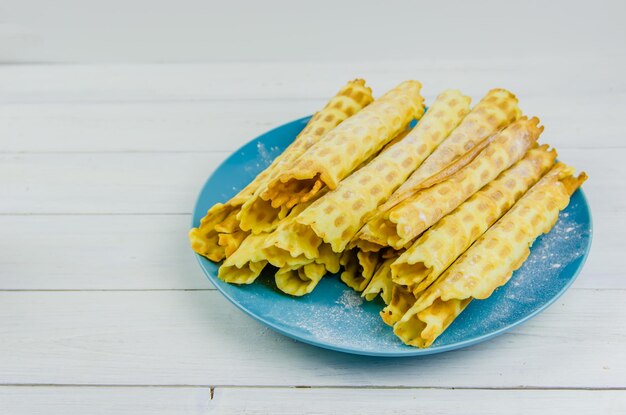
x=335 y=317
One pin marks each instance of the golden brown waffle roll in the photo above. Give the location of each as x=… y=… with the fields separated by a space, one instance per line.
x=300 y=280
x=381 y=282
x=401 y=301
x=299 y=276
x=278 y=246
x=490 y=262
x=494 y=112
x=231 y=241
x=246 y=263
x=438 y=247
x=400 y=225
x=205 y=239
x=293 y=239
x=288 y=240
x=337 y=216
x=347 y=146
x=359 y=268
x=349 y=100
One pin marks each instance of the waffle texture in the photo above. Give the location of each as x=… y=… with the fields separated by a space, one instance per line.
x=490 y=262
x=347 y=146
x=353 y=97
x=438 y=247
x=495 y=111
x=403 y=223
x=337 y=216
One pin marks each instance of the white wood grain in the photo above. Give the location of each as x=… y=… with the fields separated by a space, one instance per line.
x=103 y=183
x=197 y=338
x=225 y=125
x=582 y=80
x=152 y=252
x=106 y=400
x=276 y=401
x=99 y=170
x=169 y=182
x=98 y=252
x=415 y=401
x=193 y=126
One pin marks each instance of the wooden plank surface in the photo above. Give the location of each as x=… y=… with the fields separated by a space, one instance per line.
x=416 y=401
x=225 y=125
x=46 y=400
x=103 y=183
x=81 y=252
x=198 y=338
x=103 y=306
x=583 y=80
x=191 y=126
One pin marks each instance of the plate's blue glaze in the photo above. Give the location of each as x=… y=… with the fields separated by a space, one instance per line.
x=334 y=317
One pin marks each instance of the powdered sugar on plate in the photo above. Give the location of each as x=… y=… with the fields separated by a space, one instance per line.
x=350 y=299
x=266 y=156
x=345 y=322
x=549 y=268
x=565 y=243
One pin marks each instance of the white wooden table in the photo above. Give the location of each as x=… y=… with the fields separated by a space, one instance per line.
x=103 y=308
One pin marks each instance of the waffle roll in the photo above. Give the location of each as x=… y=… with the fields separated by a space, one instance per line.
x=245 y=264
x=494 y=111
x=438 y=247
x=296 y=240
x=402 y=299
x=491 y=260
x=336 y=217
x=231 y=241
x=347 y=146
x=299 y=276
x=301 y=280
x=381 y=282
x=353 y=97
x=403 y=223
x=359 y=268
x=205 y=238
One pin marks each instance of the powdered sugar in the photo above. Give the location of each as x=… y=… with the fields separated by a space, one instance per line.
x=263 y=159
x=350 y=299
x=565 y=243
x=266 y=156
x=347 y=321
x=544 y=274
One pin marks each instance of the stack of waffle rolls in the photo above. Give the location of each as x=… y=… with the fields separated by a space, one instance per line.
x=341 y=150
x=426 y=218
x=223 y=219
x=490 y=262
x=398 y=226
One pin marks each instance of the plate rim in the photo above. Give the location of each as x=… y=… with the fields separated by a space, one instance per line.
x=354 y=351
